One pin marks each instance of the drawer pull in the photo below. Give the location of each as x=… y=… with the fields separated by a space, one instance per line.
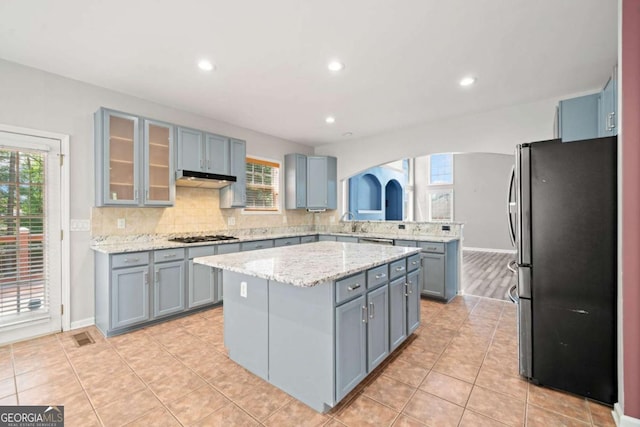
x=170 y=255
x=364 y=314
x=399 y=268
x=146 y=278
x=258 y=246
x=431 y=248
x=372 y=313
x=414 y=262
x=131 y=259
x=380 y=276
x=354 y=287
x=406 y=289
x=287 y=244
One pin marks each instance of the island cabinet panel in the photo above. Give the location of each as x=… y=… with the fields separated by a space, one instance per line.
x=434 y=266
x=351 y=345
x=202 y=282
x=397 y=313
x=413 y=301
x=301 y=342
x=377 y=327
x=246 y=321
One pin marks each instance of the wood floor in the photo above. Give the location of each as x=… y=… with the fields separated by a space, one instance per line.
x=485 y=274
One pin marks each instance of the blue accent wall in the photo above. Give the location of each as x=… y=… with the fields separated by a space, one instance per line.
x=368 y=192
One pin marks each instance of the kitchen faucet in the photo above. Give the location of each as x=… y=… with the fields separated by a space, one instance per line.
x=350 y=216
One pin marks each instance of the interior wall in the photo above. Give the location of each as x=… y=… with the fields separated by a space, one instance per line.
x=480 y=186
x=39 y=100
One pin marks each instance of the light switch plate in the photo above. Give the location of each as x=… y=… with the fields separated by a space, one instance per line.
x=80 y=225
x=243 y=289
x=232 y=220
x=121 y=223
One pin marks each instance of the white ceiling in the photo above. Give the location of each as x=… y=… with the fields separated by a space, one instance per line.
x=403 y=58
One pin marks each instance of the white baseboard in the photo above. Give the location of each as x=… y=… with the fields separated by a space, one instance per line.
x=623 y=420
x=501 y=251
x=83 y=323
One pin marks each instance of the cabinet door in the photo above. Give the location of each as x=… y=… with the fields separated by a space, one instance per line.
x=158 y=164
x=190 y=150
x=316 y=182
x=351 y=346
x=433 y=277
x=413 y=302
x=168 y=295
x=377 y=326
x=608 y=106
x=234 y=195
x=202 y=284
x=217 y=158
x=578 y=118
x=129 y=296
x=121 y=152
x=397 y=312
x=332 y=183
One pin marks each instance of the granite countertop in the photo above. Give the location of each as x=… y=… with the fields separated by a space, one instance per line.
x=150 y=243
x=309 y=264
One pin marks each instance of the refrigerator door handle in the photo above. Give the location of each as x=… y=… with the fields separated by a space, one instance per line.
x=511 y=205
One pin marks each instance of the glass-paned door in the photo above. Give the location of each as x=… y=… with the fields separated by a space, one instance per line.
x=158 y=145
x=122 y=133
x=30 y=239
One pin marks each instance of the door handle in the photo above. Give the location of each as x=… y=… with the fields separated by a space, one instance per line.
x=364 y=314
x=157 y=277
x=406 y=289
x=380 y=276
x=511 y=265
x=145 y=278
x=371 y=310
x=512 y=233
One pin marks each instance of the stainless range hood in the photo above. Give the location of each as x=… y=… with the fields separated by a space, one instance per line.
x=203 y=179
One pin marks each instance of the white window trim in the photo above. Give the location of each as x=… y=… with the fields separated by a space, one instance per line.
x=249 y=211
x=441 y=190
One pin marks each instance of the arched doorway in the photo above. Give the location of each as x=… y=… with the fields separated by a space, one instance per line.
x=393 y=201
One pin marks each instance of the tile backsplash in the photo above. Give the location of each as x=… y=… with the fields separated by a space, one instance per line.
x=196 y=210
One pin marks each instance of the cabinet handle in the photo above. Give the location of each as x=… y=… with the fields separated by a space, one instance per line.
x=201 y=164
x=364 y=314
x=131 y=260
x=170 y=256
x=380 y=276
x=414 y=262
x=610 y=122
x=399 y=268
x=354 y=287
x=146 y=278
x=135 y=195
x=372 y=312
x=146 y=195
x=406 y=289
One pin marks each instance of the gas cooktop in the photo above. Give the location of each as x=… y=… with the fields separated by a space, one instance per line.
x=199 y=239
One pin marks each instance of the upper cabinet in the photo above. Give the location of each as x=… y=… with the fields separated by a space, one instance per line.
x=234 y=195
x=589 y=116
x=134 y=161
x=310 y=182
x=202 y=152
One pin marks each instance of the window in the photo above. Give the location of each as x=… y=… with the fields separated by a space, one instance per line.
x=263 y=182
x=441 y=205
x=441 y=169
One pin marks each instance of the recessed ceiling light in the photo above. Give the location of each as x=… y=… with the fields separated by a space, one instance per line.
x=467 y=81
x=330 y=119
x=335 y=66
x=205 y=65
x=347 y=134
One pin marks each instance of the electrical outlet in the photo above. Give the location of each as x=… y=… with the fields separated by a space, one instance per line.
x=232 y=220
x=332 y=219
x=243 y=289
x=121 y=223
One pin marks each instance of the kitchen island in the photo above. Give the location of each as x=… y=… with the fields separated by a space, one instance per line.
x=314 y=320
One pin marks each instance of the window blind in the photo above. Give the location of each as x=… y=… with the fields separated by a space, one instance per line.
x=263 y=182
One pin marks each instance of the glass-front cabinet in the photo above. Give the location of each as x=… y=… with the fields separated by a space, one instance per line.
x=133 y=160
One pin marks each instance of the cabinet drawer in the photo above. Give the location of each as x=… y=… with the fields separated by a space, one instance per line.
x=288 y=241
x=398 y=268
x=130 y=259
x=168 y=255
x=350 y=287
x=308 y=239
x=347 y=239
x=377 y=276
x=432 y=247
x=260 y=244
x=201 y=251
x=409 y=243
x=413 y=262
x=228 y=248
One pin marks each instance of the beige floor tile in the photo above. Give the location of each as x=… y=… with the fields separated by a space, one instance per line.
x=262 y=401
x=183 y=381
x=418 y=356
x=538 y=417
x=333 y=423
x=49 y=393
x=458 y=368
x=228 y=416
x=54 y=374
x=473 y=419
x=295 y=414
x=158 y=367
x=6 y=366
x=406 y=421
x=560 y=402
x=158 y=417
x=102 y=373
x=197 y=404
x=405 y=372
x=7 y=387
x=500 y=407
x=86 y=419
x=112 y=388
x=9 y=400
x=30 y=358
x=446 y=387
x=433 y=410
x=363 y=411
x=494 y=379
x=235 y=384
x=128 y=408
x=390 y=392
x=601 y=414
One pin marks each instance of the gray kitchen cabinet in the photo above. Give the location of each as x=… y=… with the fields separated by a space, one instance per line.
x=286 y=241
x=326 y=238
x=346 y=239
x=202 y=280
x=434 y=267
x=413 y=301
x=190 y=150
x=295 y=181
x=377 y=326
x=234 y=195
x=309 y=239
x=397 y=313
x=310 y=182
x=168 y=292
x=133 y=160
x=351 y=345
x=608 y=107
x=440 y=269
x=256 y=244
x=129 y=296
x=216 y=150
x=226 y=248
x=577 y=118
x=408 y=243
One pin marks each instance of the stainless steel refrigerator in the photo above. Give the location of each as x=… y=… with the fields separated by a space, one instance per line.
x=563 y=222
